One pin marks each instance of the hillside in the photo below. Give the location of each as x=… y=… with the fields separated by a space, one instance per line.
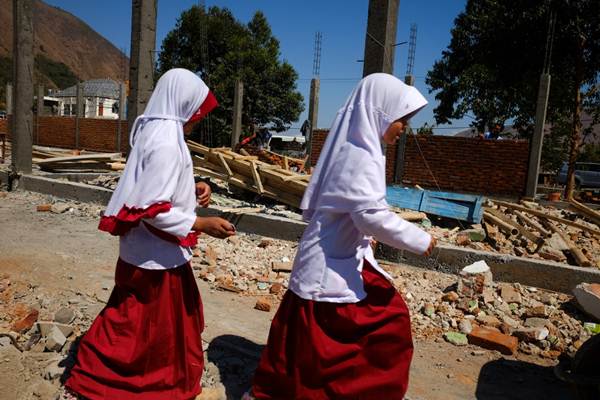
x=60 y=37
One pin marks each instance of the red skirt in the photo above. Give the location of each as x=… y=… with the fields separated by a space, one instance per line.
x=319 y=350
x=145 y=344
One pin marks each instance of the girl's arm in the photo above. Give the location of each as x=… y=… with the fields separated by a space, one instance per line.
x=388 y=228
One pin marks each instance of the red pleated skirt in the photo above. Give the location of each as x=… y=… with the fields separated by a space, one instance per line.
x=319 y=350
x=145 y=344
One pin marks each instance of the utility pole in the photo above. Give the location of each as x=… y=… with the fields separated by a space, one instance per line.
x=238 y=100
x=9 y=99
x=141 y=66
x=22 y=120
x=380 y=38
x=536 y=142
x=79 y=111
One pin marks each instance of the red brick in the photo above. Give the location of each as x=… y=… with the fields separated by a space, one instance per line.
x=493 y=340
x=263 y=305
x=25 y=324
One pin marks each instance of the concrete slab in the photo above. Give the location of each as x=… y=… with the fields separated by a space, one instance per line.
x=506 y=268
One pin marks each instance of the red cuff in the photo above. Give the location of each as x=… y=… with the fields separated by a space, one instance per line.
x=130 y=217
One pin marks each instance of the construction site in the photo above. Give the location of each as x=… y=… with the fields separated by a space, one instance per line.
x=506 y=307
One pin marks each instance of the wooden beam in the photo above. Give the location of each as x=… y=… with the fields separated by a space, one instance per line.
x=286 y=164
x=224 y=164
x=577 y=254
x=526 y=220
x=586 y=211
x=503 y=226
x=257 y=180
x=542 y=214
x=520 y=228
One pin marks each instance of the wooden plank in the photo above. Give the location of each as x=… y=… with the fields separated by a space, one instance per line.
x=286 y=164
x=296 y=178
x=542 y=214
x=93 y=157
x=577 y=254
x=257 y=180
x=520 y=228
x=586 y=211
x=526 y=220
x=500 y=224
x=224 y=164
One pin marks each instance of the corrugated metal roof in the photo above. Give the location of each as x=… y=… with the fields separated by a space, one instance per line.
x=106 y=88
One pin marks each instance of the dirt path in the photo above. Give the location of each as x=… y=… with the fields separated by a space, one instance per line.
x=61 y=260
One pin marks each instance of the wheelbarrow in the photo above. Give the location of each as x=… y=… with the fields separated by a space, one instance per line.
x=583 y=370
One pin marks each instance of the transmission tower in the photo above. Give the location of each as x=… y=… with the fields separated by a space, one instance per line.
x=412 y=48
x=317 y=54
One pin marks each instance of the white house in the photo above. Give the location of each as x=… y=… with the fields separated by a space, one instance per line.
x=100 y=97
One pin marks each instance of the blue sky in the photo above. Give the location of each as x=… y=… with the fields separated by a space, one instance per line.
x=294 y=23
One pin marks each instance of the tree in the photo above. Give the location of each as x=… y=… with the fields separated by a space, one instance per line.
x=426 y=129
x=492 y=66
x=235 y=51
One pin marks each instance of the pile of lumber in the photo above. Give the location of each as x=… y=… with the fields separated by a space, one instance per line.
x=533 y=229
x=95 y=162
x=250 y=173
x=285 y=162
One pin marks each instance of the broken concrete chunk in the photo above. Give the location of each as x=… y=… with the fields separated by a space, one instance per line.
x=55 y=339
x=60 y=208
x=509 y=294
x=465 y=326
x=281 y=266
x=531 y=334
x=588 y=298
x=474 y=235
x=535 y=322
x=45 y=327
x=489 y=321
x=456 y=338
x=64 y=316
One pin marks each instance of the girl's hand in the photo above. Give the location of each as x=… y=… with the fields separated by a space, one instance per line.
x=432 y=245
x=203 y=192
x=214 y=226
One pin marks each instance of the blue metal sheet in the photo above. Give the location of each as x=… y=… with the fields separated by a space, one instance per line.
x=465 y=207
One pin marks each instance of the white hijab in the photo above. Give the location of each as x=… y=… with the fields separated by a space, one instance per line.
x=179 y=93
x=350 y=173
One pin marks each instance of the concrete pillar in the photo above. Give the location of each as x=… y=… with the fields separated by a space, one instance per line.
x=313 y=115
x=40 y=100
x=122 y=115
x=401 y=144
x=536 y=142
x=9 y=99
x=141 y=66
x=381 y=36
x=238 y=100
x=79 y=110
x=23 y=95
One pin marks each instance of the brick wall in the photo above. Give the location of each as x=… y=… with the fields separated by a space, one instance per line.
x=94 y=134
x=458 y=164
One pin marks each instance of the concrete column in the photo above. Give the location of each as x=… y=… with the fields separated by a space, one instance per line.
x=141 y=66
x=79 y=110
x=40 y=100
x=23 y=80
x=313 y=115
x=238 y=100
x=401 y=144
x=122 y=115
x=536 y=142
x=381 y=36
x=9 y=99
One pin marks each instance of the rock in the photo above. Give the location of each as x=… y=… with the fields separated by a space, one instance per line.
x=510 y=322
x=548 y=299
x=429 y=310
x=54 y=370
x=474 y=278
x=549 y=253
x=265 y=243
x=535 y=322
x=44 y=207
x=45 y=327
x=25 y=323
x=509 y=294
x=211 y=256
x=450 y=297
x=456 y=338
x=462 y=240
x=465 y=326
x=64 y=316
x=55 y=340
x=588 y=298
x=263 y=305
x=489 y=321
x=60 y=208
x=474 y=235
x=531 y=334
x=541 y=311
x=488 y=295
x=493 y=340
x=276 y=288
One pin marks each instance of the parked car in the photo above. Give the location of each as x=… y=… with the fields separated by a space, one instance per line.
x=2 y=114
x=587 y=174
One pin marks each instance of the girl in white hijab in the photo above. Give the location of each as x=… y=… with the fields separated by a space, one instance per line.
x=146 y=342
x=342 y=331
